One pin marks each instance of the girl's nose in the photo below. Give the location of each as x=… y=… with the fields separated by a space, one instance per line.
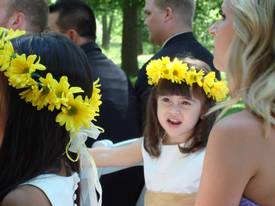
x=212 y=29
x=175 y=108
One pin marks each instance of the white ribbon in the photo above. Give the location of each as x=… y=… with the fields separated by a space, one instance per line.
x=89 y=182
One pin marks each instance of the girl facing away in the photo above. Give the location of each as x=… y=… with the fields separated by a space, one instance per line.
x=239 y=167
x=176 y=131
x=43 y=80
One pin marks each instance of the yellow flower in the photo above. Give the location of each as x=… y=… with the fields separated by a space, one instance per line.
x=31 y=94
x=63 y=92
x=191 y=76
x=165 y=60
x=219 y=90
x=178 y=72
x=14 y=34
x=9 y=34
x=95 y=100
x=75 y=115
x=166 y=71
x=21 y=69
x=199 y=78
x=6 y=54
x=208 y=82
x=154 y=71
x=46 y=92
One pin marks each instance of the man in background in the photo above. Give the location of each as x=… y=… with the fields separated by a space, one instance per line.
x=118 y=113
x=29 y=15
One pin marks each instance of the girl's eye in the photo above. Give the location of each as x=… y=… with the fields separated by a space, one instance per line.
x=165 y=99
x=185 y=103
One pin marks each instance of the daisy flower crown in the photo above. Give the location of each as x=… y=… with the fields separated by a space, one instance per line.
x=47 y=92
x=179 y=72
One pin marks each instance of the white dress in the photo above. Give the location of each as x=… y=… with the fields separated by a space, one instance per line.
x=172 y=176
x=60 y=190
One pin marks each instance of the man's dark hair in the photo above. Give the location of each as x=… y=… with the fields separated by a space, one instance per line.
x=75 y=14
x=36 y=12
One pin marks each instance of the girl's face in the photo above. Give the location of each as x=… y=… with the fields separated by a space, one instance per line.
x=223 y=33
x=178 y=115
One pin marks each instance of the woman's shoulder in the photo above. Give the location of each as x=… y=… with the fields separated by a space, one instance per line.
x=26 y=195
x=241 y=132
x=242 y=118
x=241 y=124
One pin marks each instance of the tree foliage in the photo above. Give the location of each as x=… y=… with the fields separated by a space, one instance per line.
x=207 y=11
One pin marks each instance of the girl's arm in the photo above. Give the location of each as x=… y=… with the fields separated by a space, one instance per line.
x=123 y=156
x=228 y=165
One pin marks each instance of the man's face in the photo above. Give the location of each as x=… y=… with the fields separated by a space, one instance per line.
x=154 y=21
x=52 y=26
x=4 y=15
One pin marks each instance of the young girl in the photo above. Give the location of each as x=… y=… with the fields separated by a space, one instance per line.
x=176 y=131
x=43 y=159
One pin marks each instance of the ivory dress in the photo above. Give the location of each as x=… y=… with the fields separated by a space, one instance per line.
x=172 y=178
x=59 y=190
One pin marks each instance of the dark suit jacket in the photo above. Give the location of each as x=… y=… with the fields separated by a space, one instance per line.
x=120 y=119
x=181 y=45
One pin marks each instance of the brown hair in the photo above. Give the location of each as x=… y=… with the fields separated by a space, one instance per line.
x=153 y=132
x=36 y=12
x=3 y=104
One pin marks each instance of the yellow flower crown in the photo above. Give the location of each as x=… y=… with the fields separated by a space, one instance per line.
x=178 y=72
x=75 y=112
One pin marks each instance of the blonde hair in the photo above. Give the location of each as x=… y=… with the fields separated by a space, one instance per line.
x=251 y=65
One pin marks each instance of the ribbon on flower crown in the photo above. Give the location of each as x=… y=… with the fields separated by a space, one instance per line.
x=89 y=183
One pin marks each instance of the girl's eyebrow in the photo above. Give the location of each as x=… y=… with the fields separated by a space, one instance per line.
x=188 y=98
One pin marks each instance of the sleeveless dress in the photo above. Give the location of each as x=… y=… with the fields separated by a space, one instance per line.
x=172 y=178
x=59 y=190
x=247 y=202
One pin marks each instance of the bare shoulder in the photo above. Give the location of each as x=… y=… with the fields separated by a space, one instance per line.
x=241 y=126
x=238 y=135
x=26 y=196
x=239 y=120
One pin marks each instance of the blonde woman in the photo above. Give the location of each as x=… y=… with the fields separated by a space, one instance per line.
x=239 y=167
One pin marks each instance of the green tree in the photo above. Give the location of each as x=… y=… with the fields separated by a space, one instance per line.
x=129 y=49
x=102 y=9
x=207 y=11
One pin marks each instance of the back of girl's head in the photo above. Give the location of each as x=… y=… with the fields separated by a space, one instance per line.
x=251 y=65
x=154 y=133
x=33 y=142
